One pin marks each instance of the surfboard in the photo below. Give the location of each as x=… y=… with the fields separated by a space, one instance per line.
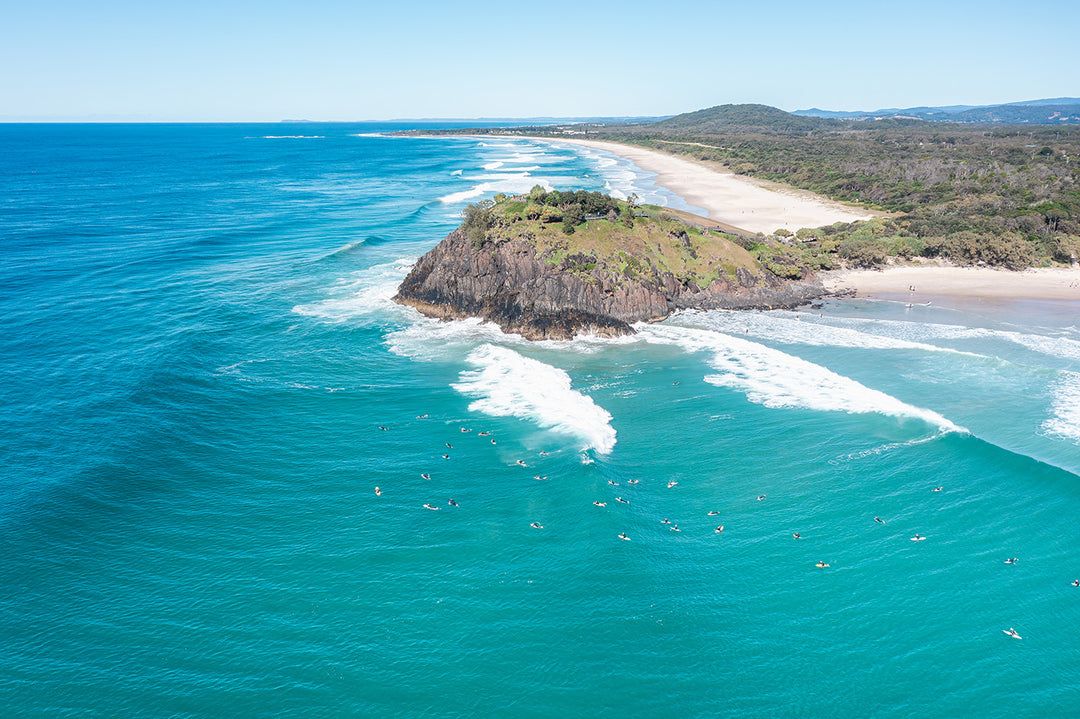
x=917 y=539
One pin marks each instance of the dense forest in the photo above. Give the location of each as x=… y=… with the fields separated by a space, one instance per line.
x=1000 y=195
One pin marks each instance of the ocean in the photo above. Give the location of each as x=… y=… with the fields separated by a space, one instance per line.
x=204 y=380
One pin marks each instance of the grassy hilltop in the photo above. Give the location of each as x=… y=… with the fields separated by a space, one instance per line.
x=584 y=231
x=550 y=265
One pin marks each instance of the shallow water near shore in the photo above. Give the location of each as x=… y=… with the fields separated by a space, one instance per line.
x=199 y=357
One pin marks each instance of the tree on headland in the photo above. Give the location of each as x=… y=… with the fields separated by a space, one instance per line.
x=477 y=220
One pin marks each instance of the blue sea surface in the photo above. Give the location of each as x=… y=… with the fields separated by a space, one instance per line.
x=204 y=380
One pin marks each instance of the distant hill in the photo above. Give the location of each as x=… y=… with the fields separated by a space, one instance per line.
x=1050 y=111
x=746 y=117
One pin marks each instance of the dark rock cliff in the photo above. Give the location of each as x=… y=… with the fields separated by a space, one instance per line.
x=505 y=282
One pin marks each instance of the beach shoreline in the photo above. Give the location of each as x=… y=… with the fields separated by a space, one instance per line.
x=750 y=205
x=932 y=279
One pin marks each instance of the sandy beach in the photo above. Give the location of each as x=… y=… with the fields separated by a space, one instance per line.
x=761 y=206
x=745 y=203
x=934 y=280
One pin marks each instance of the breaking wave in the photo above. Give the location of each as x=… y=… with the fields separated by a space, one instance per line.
x=775 y=379
x=507 y=384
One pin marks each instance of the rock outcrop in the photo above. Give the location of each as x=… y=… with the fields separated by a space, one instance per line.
x=508 y=282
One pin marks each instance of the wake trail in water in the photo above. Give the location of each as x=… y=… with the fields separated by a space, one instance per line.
x=508 y=384
x=775 y=379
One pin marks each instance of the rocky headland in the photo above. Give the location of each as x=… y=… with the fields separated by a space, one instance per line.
x=551 y=265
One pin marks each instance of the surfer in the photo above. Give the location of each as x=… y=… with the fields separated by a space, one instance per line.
x=430 y=506
x=1012 y=633
x=633 y=481
x=719 y=529
x=613 y=483
x=378 y=492
x=425 y=475
x=493 y=441
x=624 y=501
x=917 y=538
x=482 y=434
x=797 y=535
x=463 y=430
x=599 y=503
x=421 y=416
x=675 y=528
x=448 y=445
x=536 y=525
x=761 y=498
x=542 y=452
x=1076 y=582
x=879 y=520
x=537 y=476
x=665 y=520
x=713 y=513
x=937 y=489
x=671 y=484
x=622 y=535
x=383 y=428
x=452 y=503
x=821 y=564
x=446 y=456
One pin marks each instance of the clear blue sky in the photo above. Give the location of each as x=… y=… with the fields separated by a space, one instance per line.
x=239 y=60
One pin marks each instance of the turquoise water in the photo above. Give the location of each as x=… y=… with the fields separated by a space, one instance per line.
x=197 y=351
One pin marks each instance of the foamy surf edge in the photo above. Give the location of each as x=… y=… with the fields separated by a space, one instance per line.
x=1066 y=408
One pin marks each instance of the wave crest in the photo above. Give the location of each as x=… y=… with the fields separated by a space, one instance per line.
x=776 y=379
x=507 y=384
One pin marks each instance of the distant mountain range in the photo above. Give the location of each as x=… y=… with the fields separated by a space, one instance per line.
x=1051 y=111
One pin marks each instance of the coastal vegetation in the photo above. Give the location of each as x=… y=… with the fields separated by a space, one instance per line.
x=973 y=194
x=583 y=231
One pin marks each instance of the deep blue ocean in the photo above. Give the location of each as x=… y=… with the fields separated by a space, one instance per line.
x=203 y=381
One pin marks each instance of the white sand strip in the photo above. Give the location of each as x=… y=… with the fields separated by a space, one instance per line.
x=971 y=282
x=749 y=204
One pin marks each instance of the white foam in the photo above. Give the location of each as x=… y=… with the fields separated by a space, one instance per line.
x=294 y=137
x=510 y=182
x=428 y=339
x=368 y=292
x=1060 y=347
x=790 y=328
x=1066 y=407
x=508 y=384
x=775 y=379
x=456 y=172
x=493 y=165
